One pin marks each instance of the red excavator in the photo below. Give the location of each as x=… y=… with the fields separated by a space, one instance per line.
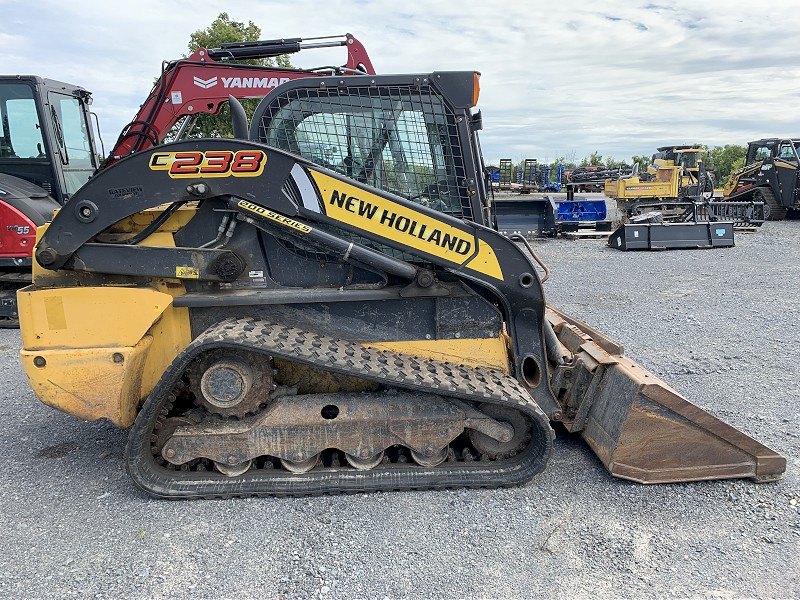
x=48 y=148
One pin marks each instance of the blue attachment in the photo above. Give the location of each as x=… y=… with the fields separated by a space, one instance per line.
x=545 y=184
x=580 y=210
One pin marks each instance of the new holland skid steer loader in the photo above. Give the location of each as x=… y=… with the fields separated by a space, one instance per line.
x=323 y=305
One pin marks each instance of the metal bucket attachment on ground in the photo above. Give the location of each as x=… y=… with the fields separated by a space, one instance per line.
x=531 y=217
x=672 y=236
x=642 y=429
x=581 y=210
x=535 y=217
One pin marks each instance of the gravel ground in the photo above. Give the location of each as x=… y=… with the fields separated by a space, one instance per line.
x=721 y=326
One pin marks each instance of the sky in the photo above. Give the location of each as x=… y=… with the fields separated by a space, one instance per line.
x=558 y=79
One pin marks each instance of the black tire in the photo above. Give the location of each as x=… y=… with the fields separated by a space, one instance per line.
x=772 y=210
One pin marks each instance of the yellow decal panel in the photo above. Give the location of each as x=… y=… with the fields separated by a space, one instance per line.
x=212 y=163
x=54 y=310
x=785 y=164
x=187 y=273
x=273 y=216
x=404 y=225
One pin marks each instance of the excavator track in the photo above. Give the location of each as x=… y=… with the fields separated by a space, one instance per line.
x=10 y=282
x=416 y=378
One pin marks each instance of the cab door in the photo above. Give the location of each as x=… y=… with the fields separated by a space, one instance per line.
x=73 y=141
x=787 y=170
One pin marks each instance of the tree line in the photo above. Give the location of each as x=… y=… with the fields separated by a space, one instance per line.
x=721 y=160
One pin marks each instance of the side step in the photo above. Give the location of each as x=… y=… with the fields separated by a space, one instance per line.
x=641 y=428
x=672 y=236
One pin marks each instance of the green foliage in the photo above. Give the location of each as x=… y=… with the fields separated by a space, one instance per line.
x=569 y=163
x=642 y=161
x=593 y=160
x=724 y=160
x=223 y=30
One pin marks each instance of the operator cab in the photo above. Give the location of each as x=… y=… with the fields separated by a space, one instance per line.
x=761 y=150
x=687 y=157
x=413 y=136
x=788 y=150
x=46 y=136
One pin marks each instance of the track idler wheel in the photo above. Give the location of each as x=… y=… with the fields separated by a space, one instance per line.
x=492 y=447
x=231 y=383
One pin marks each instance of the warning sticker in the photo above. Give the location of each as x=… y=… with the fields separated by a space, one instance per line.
x=187 y=272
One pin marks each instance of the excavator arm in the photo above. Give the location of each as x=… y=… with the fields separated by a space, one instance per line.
x=203 y=82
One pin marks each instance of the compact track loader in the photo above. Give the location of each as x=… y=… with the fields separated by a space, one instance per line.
x=771 y=175
x=324 y=305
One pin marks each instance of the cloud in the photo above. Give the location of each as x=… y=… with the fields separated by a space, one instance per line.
x=619 y=78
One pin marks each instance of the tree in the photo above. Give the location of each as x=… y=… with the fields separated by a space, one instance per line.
x=593 y=160
x=568 y=161
x=724 y=160
x=642 y=161
x=223 y=30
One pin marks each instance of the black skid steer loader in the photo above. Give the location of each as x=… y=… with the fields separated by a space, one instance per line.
x=324 y=305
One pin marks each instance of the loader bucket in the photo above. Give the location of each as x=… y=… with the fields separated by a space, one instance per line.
x=643 y=430
x=530 y=218
x=672 y=236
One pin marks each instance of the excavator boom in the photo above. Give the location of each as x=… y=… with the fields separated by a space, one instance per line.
x=202 y=83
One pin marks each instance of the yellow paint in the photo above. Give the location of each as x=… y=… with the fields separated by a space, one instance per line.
x=665 y=185
x=88 y=317
x=171 y=334
x=78 y=330
x=81 y=376
x=733 y=180
x=486 y=261
x=92 y=383
x=475 y=352
x=403 y=225
x=785 y=165
x=133 y=224
x=140 y=220
x=37 y=268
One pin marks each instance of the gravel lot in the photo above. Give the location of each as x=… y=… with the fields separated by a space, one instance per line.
x=721 y=326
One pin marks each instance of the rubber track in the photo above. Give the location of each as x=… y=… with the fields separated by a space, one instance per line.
x=347 y=358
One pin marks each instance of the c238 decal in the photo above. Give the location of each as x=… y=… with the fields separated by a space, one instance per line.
x=211 y=163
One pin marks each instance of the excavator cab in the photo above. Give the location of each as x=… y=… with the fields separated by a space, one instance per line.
x=47 y=152
x=684 y=159
x=47 y=136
